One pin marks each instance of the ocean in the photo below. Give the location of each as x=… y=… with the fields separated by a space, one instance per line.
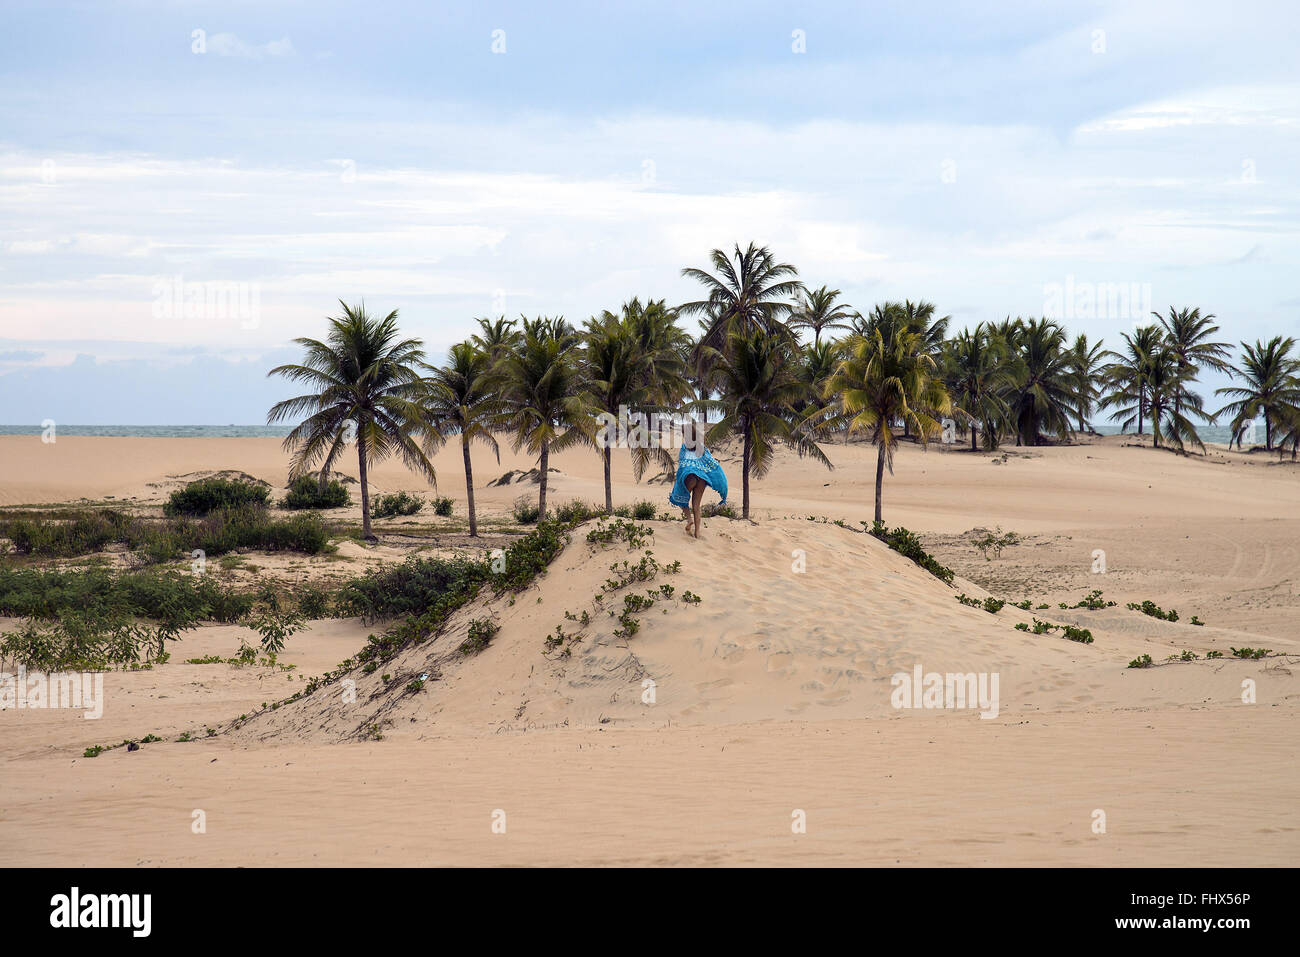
x=158 y=431
x=1209 y=433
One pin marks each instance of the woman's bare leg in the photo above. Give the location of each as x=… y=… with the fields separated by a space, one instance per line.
x=697 y=496
x=686 y=509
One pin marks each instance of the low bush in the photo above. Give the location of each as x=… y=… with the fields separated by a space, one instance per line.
x=307 y=492
x=211 y=494
x=574 y=511
x=908 y=545
x=54 y=593
x=397 y=503
x=409 y=587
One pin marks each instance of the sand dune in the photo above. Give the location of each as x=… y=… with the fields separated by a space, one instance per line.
x=771 y=694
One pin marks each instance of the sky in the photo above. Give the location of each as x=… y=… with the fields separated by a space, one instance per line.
x=185 y=187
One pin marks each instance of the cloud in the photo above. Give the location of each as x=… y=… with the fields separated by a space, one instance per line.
x=20 y=355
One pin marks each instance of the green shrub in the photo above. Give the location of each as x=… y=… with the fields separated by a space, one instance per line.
x=397 y=503
x=65 y=533
x=574 y=511
x=525 y=511
x=409 y=587
x=55 y=593
x=442 y=506
x=211 y=494
x=906 y=544
x=306 y=492
x=646 y=511
x=1153 y=610
x=68 y=534
x=313 y=601
x=481 y=633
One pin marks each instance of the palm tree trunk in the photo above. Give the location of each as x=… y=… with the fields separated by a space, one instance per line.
x=744 y=476
x=469 y=486
x=1268 y=433
x=541 y=494
x=365 y=489
x=973 y=436
x=880 y=476
x=609 y=488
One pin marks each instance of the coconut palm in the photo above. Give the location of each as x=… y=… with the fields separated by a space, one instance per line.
x=460 y=399
x=919 y=318
x=496 y=336
x=1270 y=377
x=978 y=377
x=1086 y=365
x=756 y=378
x=1041 y=398
x=1171 y=400
x=545 y=402
x=1128 y=376
x=817 y=364
x=818 y=310
x=666 y=345
x=1188 y=334
x=619 y=380
x=1288 y=422
x=884 y=380
x=754 y=292
x=365 y=379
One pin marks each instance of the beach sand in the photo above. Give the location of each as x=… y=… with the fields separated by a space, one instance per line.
x=771 y=697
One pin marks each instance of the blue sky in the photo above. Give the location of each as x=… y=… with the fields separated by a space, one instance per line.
x=295 y=153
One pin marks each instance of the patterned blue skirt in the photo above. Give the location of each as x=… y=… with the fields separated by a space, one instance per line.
x=706 y=467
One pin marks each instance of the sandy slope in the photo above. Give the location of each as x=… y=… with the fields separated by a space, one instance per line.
x=772 y=694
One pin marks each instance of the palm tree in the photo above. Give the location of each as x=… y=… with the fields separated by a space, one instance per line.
x=1289 y=429
x=818 y=310
x=919 y=318
x=666 y=345
x=884 y=380
x=978 y=377
x=1128 y=376
x=1270 y=386
x=752 y=293
x=1188 y=334
x=364 y=376
x=618 y=377
x=757 y=381
x=460 y=400
x=1042 y=398
x=1085 y=374
x=496 y=336
x=665 y=378
x=545 y=402
x=817 y=364
x=1170 y=399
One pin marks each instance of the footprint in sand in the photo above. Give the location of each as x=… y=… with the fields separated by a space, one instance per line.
x=780 y=662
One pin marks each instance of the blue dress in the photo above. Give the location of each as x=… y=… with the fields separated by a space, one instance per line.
x=696 y=463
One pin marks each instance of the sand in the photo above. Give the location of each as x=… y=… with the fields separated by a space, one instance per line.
x=772 y=696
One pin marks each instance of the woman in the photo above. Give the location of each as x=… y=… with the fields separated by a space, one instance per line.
x=696 y=471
